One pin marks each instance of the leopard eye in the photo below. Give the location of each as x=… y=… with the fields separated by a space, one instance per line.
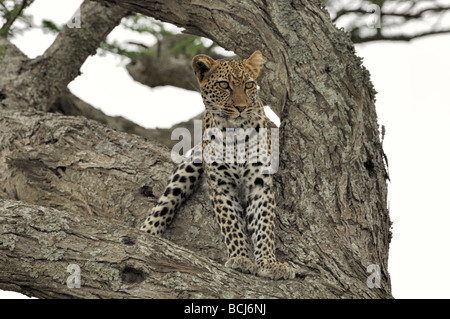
x=249 y=85
x=223 y=84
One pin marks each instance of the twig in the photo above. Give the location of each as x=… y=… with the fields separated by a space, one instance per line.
x=9 y=22
x=380 y=37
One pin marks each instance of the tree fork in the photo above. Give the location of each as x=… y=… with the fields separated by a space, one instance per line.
x=332 y=195
x=333 y=222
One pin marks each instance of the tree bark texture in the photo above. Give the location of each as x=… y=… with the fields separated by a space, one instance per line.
x=74 y=192
x=333 y=203
x=95 y=184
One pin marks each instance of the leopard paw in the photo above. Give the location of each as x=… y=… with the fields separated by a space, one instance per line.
x=242 y=264
x=275 y=270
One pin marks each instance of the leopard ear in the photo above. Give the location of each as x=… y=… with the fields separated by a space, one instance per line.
x=203 y=66
x=254 y=62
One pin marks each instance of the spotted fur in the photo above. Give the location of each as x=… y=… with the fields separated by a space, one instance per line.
x=241 y=190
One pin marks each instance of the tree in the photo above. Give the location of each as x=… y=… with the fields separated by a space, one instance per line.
x=384 y=20
x=364 y=20
x=75 y=191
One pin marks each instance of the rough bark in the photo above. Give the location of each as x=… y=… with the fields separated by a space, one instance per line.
x=116 y=261
x=332 y=206
x=74 y=191
x=333 y=220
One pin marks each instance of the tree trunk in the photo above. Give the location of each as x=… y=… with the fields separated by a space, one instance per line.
x=70 y=180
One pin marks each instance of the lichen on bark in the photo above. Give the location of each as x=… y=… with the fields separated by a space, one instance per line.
x=75 y=191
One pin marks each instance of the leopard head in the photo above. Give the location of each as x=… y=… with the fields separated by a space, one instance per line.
x=228 y=87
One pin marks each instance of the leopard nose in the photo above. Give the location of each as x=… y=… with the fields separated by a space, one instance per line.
x=240 y=108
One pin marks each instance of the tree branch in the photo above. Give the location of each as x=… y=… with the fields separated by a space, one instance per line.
x=405 y=14
x=44 y=78
x=155 y=70
x=115 y=261
x=411 y=13
x=344 y=11
x=69 y=104
x=11 y=19
x=332 y=217
x=78 y=199
x=418 y=14
x=379 y=36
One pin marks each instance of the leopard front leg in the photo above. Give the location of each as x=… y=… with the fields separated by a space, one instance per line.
x=227 y=211
x=261 y=225
x=178 y=189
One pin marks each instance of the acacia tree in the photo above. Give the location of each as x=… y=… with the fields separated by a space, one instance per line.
x=388 y=20
x=74 y=191
x=167 y=62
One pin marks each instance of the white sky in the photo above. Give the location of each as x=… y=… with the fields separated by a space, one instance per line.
x=413 y=104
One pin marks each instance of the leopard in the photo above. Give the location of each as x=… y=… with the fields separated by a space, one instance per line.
x=234 y=158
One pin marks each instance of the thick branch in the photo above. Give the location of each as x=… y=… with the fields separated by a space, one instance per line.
x=156 y=71
x=68 y=104
x=74 y=192
x=153 y=69
x=38 y=244
x=58 y=161
x=43 y=79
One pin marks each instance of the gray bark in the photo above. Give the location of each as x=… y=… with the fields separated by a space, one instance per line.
x=332 y=181
x=333 y=222
x=74 y=192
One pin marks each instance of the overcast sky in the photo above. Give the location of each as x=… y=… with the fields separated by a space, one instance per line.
x=413 y=104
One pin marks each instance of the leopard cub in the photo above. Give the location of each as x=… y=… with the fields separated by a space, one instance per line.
x=241 y=189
